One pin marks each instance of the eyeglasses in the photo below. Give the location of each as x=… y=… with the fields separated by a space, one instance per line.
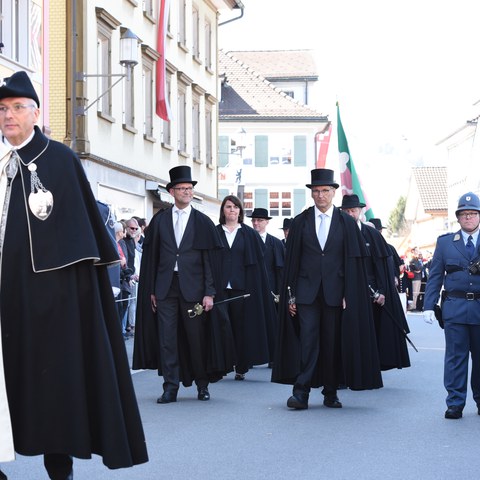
x=133 y=228
x=468 y=215
x=184 y=189
x=323 y=191
x=16 y=109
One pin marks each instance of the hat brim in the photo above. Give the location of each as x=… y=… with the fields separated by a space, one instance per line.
x=256 y=216
x=358 y=205
x=327 y=184
x=180 y=180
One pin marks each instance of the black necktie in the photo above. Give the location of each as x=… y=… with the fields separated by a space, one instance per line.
x=470 y=248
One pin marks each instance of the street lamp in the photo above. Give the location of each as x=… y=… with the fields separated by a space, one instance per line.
x=128 y=59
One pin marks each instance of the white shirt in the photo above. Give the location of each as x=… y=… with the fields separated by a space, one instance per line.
x=328 y=219
x=230 y=235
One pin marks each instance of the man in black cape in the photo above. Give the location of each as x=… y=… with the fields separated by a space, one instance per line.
x=67 y=377
x=183 y=347
x=390 y=323
x=331 y=296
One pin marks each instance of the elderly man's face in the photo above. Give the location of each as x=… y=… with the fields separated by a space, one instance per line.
x=353 y=212
x=18 y=116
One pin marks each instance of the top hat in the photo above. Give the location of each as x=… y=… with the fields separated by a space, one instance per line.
x=259 y=213
x=18 y=85
x=377 y=223
x=322 y=176
x=286 y=223
x=351 y=201
x=181 y=174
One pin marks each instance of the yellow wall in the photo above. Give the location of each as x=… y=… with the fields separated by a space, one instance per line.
x=58 y=68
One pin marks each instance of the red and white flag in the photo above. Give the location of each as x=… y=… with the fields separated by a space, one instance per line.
x=162 y=105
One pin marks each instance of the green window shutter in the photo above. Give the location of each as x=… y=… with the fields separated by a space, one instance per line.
x=300 y=151
x=299 y=200
x=261 y=198
x=222 y=193
x=223 y=150
x=261 y=150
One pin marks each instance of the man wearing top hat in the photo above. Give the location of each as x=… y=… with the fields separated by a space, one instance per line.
x=177 y=271
x=326 y=331
x=286 y=227
x=67 y=377
x=390 y=322
x=274 y=251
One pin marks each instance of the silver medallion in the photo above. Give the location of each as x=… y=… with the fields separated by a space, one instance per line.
x=40 y=199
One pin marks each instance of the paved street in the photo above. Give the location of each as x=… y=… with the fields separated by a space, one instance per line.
x=246 y=431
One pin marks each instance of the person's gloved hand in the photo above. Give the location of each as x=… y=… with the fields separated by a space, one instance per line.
x=428 y=316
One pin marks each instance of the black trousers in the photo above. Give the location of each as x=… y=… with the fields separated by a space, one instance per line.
x=236 y=313
x=58 y=465
x=320 y=345
x=172 y=316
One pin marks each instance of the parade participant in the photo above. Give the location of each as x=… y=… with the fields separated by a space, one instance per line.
x=416 y=267
x=390 y=322
x=243 y=272
x=455 y=266
x=274 y=255
x=327 y=334
x=67 y=377
x=286 y=227
x=177 y=271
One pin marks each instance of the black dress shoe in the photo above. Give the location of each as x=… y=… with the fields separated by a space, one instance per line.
x=240 y=376
x=332 y=401
x=203 y=394
x=167 y=397
x=454 y=412
x=3 y=476
x=298 y=401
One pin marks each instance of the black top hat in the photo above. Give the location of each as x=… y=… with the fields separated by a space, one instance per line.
x=351 y=201
x=181 y=174
x=322 y=176
x=286 y=223
x=377 y=222
x=18 y=85
x=259 y=213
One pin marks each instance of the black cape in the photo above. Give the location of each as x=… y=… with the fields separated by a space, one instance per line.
x=360 y=363
x=390 y=322
x=219 y=334
x=68 y=380
x=260 y=315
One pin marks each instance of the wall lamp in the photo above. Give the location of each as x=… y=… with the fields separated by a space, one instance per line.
x=128 y=59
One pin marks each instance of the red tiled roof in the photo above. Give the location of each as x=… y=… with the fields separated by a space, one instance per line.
x=280 y=64
x=432 y=187
x=248 y=95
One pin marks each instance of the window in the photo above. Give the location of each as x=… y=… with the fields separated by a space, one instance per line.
x=196 y=127
x=183 y=83
x=15 y=28
x=148 y=8
x=280 y=149
x=167 y=129
x=149 y=56
x=196 y=33
x=208 y=45
x=105 y=26
x=182 y=29
x=208 y=134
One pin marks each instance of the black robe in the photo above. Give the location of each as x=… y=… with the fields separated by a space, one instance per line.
x=360 y=363
x=220 y=349
x=390 y=321
x=260 y=316
x=68 y=380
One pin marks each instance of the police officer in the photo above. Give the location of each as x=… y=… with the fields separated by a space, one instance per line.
x=454 y=265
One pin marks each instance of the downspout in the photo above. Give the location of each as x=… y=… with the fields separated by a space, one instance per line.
x=239 y=6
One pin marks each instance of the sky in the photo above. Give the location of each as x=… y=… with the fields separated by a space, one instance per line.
x=406 y=74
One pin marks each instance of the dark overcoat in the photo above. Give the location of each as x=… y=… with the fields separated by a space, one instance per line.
x=68 y=380
x=360 y=363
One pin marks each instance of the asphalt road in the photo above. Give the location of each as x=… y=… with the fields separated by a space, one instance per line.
x=246 y=431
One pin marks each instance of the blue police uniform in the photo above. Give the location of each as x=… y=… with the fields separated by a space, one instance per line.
x=460 y=308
